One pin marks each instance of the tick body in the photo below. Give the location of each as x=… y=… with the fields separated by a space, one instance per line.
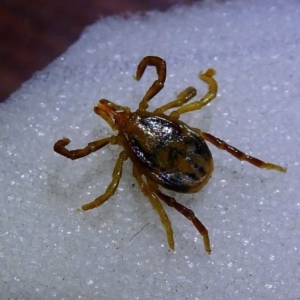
x=169 y=152
x=165 y=152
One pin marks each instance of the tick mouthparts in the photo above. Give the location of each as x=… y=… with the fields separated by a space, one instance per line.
x=104 y=108
x=112 y=113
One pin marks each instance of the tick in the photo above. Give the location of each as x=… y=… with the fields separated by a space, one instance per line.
x=165 y=152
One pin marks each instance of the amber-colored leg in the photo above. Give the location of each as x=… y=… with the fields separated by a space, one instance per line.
x=239 y=154
x=111 y=189
x=158 y=84
x=182 y=98
x=208 y=97
x=149 y=193
x=189 y=214
x=60 y=147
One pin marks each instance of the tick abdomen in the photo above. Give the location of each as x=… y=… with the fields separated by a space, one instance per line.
x=168 y=152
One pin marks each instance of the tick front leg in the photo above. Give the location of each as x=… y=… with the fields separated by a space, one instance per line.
x=111 y=189
x=158 y=84
x=60 y=147
x=189 y=214
x=239 y=154
x=207 y=77
x=149 y=193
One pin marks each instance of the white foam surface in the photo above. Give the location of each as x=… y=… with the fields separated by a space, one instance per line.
x=119 y=250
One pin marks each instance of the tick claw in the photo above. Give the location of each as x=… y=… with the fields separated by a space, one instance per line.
x=65 y=141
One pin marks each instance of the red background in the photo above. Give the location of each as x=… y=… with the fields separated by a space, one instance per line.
x=34 y=32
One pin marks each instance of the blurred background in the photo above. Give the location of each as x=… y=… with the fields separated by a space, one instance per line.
x=35 y=32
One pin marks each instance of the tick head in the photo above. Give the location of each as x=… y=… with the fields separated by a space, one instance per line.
x=115 y=115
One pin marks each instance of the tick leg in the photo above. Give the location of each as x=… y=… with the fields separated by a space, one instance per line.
x=239 y=154
x=158 y=84
x=182 y=98
x=111 y=189
x=208 y=97
x=189 y=214
x=60 y=147
x=149 y=193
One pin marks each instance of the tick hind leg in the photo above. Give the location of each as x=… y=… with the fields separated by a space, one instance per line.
x=158 y=84
x=208 y=97
x=189 y=214
x=149 y=193
x=239 y=154
x=111 y=189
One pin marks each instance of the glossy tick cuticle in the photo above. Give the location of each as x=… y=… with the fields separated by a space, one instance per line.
x=165 y=152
